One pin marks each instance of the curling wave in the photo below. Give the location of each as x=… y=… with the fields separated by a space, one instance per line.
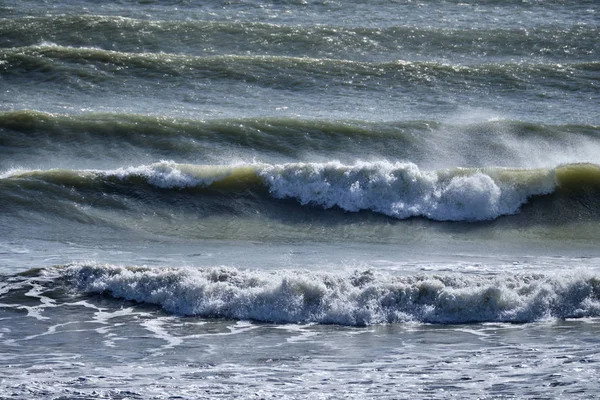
x=400 y=190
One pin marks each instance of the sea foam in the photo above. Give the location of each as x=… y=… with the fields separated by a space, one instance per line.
x=353 y=298
x=169 y=175
x=402 y=190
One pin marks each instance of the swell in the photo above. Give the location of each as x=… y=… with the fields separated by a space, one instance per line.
x=354 y=298
x=357 y=43
x=53 y=63
x=398 y=190
x=41 y=135
x=286 y=136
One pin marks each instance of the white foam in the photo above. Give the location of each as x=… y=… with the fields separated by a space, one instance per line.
x=358 y=298
x=168 y=174
x=156 y=327
x=402 y=190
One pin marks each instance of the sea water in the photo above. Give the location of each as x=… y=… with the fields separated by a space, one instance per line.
x=299 y=199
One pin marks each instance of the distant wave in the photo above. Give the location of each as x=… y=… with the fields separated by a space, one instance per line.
x=291 y=73
x=506 y=143
x=399 y=190
x=124 y=126
x=139 y=35
x=357 y=298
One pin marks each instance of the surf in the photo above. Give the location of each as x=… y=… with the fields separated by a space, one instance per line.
x=354 y=298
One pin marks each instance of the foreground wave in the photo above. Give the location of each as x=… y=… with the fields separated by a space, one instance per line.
x=356 y=298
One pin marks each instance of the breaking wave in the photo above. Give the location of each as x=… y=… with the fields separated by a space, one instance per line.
x=354 y=298
x=400 y=190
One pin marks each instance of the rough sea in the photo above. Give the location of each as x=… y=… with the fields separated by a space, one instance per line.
x=299 y=199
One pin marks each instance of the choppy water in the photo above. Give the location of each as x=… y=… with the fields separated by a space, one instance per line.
x=299 y=199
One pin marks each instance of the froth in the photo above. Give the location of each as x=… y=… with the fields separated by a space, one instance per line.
x=402 y=190
x=169 y=175
x=358 y=298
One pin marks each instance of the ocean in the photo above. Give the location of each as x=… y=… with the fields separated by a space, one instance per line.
x=299 y=199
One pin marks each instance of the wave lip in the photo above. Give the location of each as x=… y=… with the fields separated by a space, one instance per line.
x=358 y=298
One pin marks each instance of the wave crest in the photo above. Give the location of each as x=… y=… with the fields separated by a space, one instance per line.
x=402 y=190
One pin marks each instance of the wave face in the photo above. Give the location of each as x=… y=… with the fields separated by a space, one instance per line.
x=358 y=298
